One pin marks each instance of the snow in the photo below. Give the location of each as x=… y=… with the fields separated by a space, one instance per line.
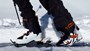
x=11 y=33
x=84 y=24
x=12 y=48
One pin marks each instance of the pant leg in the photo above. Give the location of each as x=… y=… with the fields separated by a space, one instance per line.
x=26 y=10
x=62 y=18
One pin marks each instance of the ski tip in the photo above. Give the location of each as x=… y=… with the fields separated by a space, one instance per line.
x=12 y=41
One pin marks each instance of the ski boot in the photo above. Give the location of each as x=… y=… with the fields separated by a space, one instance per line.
x=26 y=39
x=29 y=37
x=72 y=38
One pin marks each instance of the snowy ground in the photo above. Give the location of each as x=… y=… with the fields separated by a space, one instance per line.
x=10 y=48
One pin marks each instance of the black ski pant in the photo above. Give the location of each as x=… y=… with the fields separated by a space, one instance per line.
x=63 y=20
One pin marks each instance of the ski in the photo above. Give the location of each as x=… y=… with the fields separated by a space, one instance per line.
x=17 y=45
x=32 y=44
x=47 y=44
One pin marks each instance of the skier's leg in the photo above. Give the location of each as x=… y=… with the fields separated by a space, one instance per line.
x=62 y=18
x=30 y=21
